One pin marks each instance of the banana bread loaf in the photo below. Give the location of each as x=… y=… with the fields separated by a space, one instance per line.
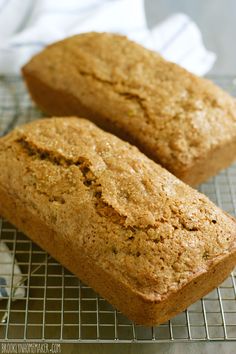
x=144 y=240
x=181 y=121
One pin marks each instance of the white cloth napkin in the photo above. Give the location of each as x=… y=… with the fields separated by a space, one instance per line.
x=27 y=26
x=6 y=270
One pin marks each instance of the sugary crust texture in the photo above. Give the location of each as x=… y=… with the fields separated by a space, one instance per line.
x=144 y=240
x=179 y=120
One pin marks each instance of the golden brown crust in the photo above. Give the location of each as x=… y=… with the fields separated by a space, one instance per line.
x=139 y=236
x=176 y=118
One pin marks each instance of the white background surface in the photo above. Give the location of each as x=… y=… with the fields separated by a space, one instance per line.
x=216 y=20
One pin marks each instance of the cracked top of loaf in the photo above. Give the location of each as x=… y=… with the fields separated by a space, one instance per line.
x=107 y=199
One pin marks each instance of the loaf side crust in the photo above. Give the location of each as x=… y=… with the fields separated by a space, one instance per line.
x=135 y=306
x=179 y=120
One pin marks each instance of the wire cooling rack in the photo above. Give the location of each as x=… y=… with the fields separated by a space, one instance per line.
x=59 y=308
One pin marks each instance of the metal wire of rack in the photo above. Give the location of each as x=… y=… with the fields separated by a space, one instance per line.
x=59 y=308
